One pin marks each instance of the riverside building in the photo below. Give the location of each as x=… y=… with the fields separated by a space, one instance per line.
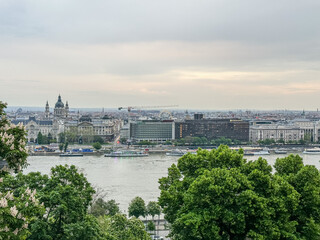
x=152 y=131
x=234 y=129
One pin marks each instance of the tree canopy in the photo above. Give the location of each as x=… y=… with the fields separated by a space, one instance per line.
x=101 y=207
x=153 y=208
x=220 y=195
x=119 y=227
x=137 y=207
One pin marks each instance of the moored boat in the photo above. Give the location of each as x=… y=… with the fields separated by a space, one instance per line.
x=176 y=152
x=126 y=154
x=262 y=152
x=280 y=151
x=71 y=155
x=313 y=151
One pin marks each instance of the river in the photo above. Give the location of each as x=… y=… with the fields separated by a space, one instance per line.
x=123 y=179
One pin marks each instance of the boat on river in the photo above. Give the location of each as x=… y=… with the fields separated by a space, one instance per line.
x=71 y=154
x=262 y=152
x=256 y=151
x=176 y=152
x=127 y=154
x=280 y=151
x=313 y=151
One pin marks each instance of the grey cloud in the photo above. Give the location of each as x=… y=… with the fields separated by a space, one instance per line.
x=255 y=21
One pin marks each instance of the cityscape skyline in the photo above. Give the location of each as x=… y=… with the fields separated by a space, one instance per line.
x=198 y=55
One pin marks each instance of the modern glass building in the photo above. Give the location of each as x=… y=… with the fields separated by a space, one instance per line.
x=152 y=130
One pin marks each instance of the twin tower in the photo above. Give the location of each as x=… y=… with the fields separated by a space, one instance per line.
x=60 y=111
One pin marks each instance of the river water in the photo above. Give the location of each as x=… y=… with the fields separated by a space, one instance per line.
x=123 y=179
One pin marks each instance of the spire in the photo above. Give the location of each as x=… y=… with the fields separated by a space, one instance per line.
x=47 y=112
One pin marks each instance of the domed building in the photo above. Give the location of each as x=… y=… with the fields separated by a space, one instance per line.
x=61 y=111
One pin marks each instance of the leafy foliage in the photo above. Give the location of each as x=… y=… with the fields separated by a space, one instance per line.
x=153 y=208
x=137 y=207
x=12 y=143
x=219 y=195
x=118 y=227
x=66 y=195
x=97 y=145
x=101 y=208
x=17 y=209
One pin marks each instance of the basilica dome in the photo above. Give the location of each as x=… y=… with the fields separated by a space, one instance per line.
x=59 y=104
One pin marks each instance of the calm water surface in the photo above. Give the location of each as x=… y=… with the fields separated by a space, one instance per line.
x=125 y=178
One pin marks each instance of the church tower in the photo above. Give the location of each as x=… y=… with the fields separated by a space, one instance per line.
x=47 y=112
x=67 y=109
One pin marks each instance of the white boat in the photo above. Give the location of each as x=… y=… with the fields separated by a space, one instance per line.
x=126 y=154
x=312 y=151
x=176 y=152
x=256 y=151
x=262 y=152
x=280 y=151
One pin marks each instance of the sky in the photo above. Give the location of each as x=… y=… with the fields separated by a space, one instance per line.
x=197 y=54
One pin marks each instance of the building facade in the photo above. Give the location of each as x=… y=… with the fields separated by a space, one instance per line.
x=292 y=131
x=34 y=126
x=86 y=127
x=276 y=132
x=152 y=130
x=234 y=129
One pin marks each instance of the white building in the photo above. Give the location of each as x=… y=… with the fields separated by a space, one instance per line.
x=34 y=126
x=275 y=132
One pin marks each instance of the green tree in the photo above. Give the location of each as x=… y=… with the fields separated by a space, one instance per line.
x=62 y=137
x=88 y=229
x=308 y=138
x=50 y=138
x=40 y=138
x=17 y=211
x=112 y=207
x=98 y=139
x=151 y=226
x=219 y=195
x=137 y=207
x=153 y=208
x=66 y=195
x=101 y=208
x=71 y=135
x=97 y=145
x=306 y=181
x=12 y=144
x=65 y=147
x=119 y=227
x=61 y=147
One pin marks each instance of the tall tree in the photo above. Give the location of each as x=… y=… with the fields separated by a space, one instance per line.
x=137 y=207
x=119 y=227
x=17 y=211
x=40 y=138
x=101 y=208
x=153 y=208
x=219 y=195
x=66 y=195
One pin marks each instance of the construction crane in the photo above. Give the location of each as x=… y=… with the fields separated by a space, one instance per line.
x=144 y=107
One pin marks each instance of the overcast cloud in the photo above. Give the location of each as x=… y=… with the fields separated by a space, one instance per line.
x=206 y=54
